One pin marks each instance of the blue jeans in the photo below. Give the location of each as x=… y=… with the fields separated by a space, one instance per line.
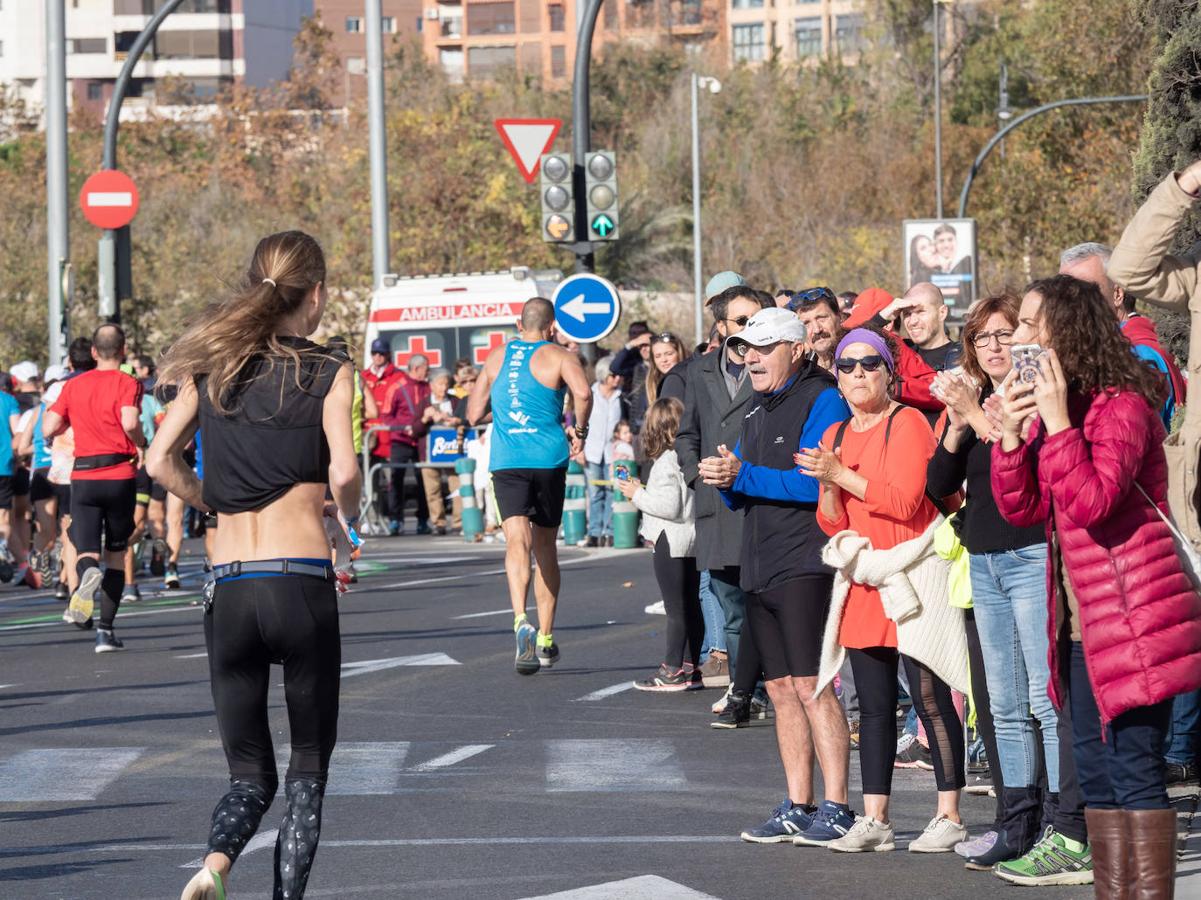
x=724 y=584
x=1183 y=734
x=1009 y=594
x=1126 y=770
x=715 y=623
x=600 y=503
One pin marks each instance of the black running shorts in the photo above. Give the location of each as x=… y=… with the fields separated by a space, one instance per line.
x=102 y=507
x=40 y=487
x=6 y=491
x=534 y=493
x=21 y=481
x=148 y=488
x=787 y=623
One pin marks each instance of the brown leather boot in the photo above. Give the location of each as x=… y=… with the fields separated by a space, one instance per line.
x=1151 y=846
x=1109 y=841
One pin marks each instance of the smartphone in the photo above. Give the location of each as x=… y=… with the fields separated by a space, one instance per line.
x=1025 y=361
x=623 y=474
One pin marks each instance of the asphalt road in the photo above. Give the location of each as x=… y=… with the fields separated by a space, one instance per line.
x=454 y=777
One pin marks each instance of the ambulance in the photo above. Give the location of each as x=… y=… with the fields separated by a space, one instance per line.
x=450 y=317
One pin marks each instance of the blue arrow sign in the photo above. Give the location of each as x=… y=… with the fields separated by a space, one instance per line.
x=586 y=307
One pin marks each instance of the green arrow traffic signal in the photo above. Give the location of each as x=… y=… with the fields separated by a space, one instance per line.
x=602 y=225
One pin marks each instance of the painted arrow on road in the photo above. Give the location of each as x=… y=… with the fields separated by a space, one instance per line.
x=578 y=308
x=362 y=667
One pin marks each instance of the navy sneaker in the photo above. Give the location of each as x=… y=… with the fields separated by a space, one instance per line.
x=785 y=823
x=526 y=662
x=830 y=822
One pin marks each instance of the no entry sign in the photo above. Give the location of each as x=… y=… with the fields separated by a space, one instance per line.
x=109 y=199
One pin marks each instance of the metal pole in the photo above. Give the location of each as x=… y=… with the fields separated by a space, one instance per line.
x=1000 y=135
x=937 y=115
x=697 y=274
x=581 y=144
x=377 y=144
x=57 y=221
x=107 y=254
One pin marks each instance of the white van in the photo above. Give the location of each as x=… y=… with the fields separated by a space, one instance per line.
x=447 y=317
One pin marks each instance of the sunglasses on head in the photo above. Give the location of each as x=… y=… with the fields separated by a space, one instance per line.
x=665 y=338
x=846 y=364
x=812 y=295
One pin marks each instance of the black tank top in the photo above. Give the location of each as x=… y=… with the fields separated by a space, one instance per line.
x=273 y=438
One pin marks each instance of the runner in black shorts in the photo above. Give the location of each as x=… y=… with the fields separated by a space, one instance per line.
x=527 y=382
x=102 y=407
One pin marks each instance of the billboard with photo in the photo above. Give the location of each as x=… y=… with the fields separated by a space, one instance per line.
x=943 y=252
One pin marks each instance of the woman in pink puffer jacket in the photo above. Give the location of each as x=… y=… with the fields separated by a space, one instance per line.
x=1079 y=441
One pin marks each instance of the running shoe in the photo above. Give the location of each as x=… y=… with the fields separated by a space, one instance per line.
x=668 y=680
x=158 y=557
x=131 y=594
x=830 y=822
x=424 y=528
x=760 y=705
x=395 y=527
x=527 y=652
x=205 y=885
x=735 y=712
x=1051 y=861
x=171 y=578
x=940 y=836
x=61 y=591
x=548 y=655
x=866 y=835
x=786 y=822
x=656 y=609
x=107 y=642
x=83 y=602
x=911 y=754
x=977 y=846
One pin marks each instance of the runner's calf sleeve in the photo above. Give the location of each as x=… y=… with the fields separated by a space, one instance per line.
x=111 y=586
x=296 y=844
x=236 y=818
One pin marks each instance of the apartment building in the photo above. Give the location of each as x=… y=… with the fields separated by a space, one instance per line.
x=203 y=45
x=793 y=30
x=479 y=38
x=401 y=22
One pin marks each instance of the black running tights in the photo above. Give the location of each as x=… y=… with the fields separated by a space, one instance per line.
x=876 y=680
x=680 y=586
x=254 y=622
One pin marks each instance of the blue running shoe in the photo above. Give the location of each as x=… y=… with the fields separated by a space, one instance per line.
x=830 y=822
x=527 y=652
x=785 y=823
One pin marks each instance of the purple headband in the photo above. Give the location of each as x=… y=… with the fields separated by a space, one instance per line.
x=873 y=340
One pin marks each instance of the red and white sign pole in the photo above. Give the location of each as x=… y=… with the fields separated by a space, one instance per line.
x=109 y=200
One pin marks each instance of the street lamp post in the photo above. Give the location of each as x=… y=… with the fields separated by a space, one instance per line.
x=713 y=86
x=938 y=108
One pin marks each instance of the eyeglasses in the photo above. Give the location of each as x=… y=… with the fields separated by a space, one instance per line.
x=846 y=364
x=740 y=321
x=1004 y=337
x=812 y=295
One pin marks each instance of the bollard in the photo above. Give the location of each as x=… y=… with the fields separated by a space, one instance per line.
x=473 y=518
x=625 y=514
x=574 y=520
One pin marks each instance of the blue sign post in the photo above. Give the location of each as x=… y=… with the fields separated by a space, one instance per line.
x=586 y=308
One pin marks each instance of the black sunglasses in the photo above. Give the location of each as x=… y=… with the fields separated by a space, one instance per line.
x=846 y=364
x=740 y=321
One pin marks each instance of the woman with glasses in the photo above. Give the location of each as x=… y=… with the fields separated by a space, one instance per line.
x=889 y=607
x=1009 y=596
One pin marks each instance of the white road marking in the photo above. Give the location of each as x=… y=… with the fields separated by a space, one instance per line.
x=365 y=768
x=362 y=667
x=495 y=612
x=453 y=757
x=456 y=842
x=630 y=889
x=193 y=655
x=501 y=571
x=258 y=842
x=3 y=686
x=607 y=692
x=42 y=775
x=608 y=765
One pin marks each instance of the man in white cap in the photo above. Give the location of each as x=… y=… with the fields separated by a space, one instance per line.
x=782 y=574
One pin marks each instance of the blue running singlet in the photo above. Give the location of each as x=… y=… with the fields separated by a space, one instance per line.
x=527 y=416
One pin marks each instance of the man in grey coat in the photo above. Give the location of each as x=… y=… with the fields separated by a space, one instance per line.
x=716 y=398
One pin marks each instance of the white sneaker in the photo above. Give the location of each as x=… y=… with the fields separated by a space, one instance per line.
x=866 y=834
x=940 y=836
x=720 y=706
x=656 y=609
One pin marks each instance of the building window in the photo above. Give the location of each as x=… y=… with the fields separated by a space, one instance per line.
x=207 y=44
x=808 y=34
x=748 y=43
x=387 y=24
x=451 y=60
x=558 y=20
x=746 y=4
x=558 y=62
x=490 y=18
x=354 y=24
x=87 y=45
x=848 y=33
x=485 y=61
x=95 y=90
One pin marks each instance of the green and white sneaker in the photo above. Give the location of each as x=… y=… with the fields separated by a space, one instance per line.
x=1053 y=860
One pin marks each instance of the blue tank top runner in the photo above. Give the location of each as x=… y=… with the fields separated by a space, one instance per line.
x=527 y=416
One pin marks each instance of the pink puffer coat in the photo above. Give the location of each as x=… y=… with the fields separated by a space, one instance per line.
x=1140 y=619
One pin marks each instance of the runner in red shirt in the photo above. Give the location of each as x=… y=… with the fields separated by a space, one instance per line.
x=103 y=407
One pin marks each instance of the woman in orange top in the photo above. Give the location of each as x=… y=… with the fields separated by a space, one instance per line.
x=872 y=470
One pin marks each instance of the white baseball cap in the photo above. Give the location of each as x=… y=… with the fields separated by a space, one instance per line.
x=24 y=371
x=769 y=326
x=55 y=373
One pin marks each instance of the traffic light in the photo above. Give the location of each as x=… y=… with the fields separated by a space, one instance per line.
x=558 y=203
x=600 y=181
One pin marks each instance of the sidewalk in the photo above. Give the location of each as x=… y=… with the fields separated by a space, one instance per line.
x=1188 y=863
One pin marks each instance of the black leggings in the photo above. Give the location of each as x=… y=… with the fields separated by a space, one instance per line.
x=876 y=681
x=680 y=585
x=254 y=622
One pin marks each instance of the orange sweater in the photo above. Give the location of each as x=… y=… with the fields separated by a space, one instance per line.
x=895 y=509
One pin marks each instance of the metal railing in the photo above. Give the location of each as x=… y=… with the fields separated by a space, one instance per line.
x=372 y=521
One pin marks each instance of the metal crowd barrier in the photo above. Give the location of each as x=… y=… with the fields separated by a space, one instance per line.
x=370 y=520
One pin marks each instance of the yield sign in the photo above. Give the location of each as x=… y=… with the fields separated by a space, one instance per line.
x=109 y=199
x=527 y=140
